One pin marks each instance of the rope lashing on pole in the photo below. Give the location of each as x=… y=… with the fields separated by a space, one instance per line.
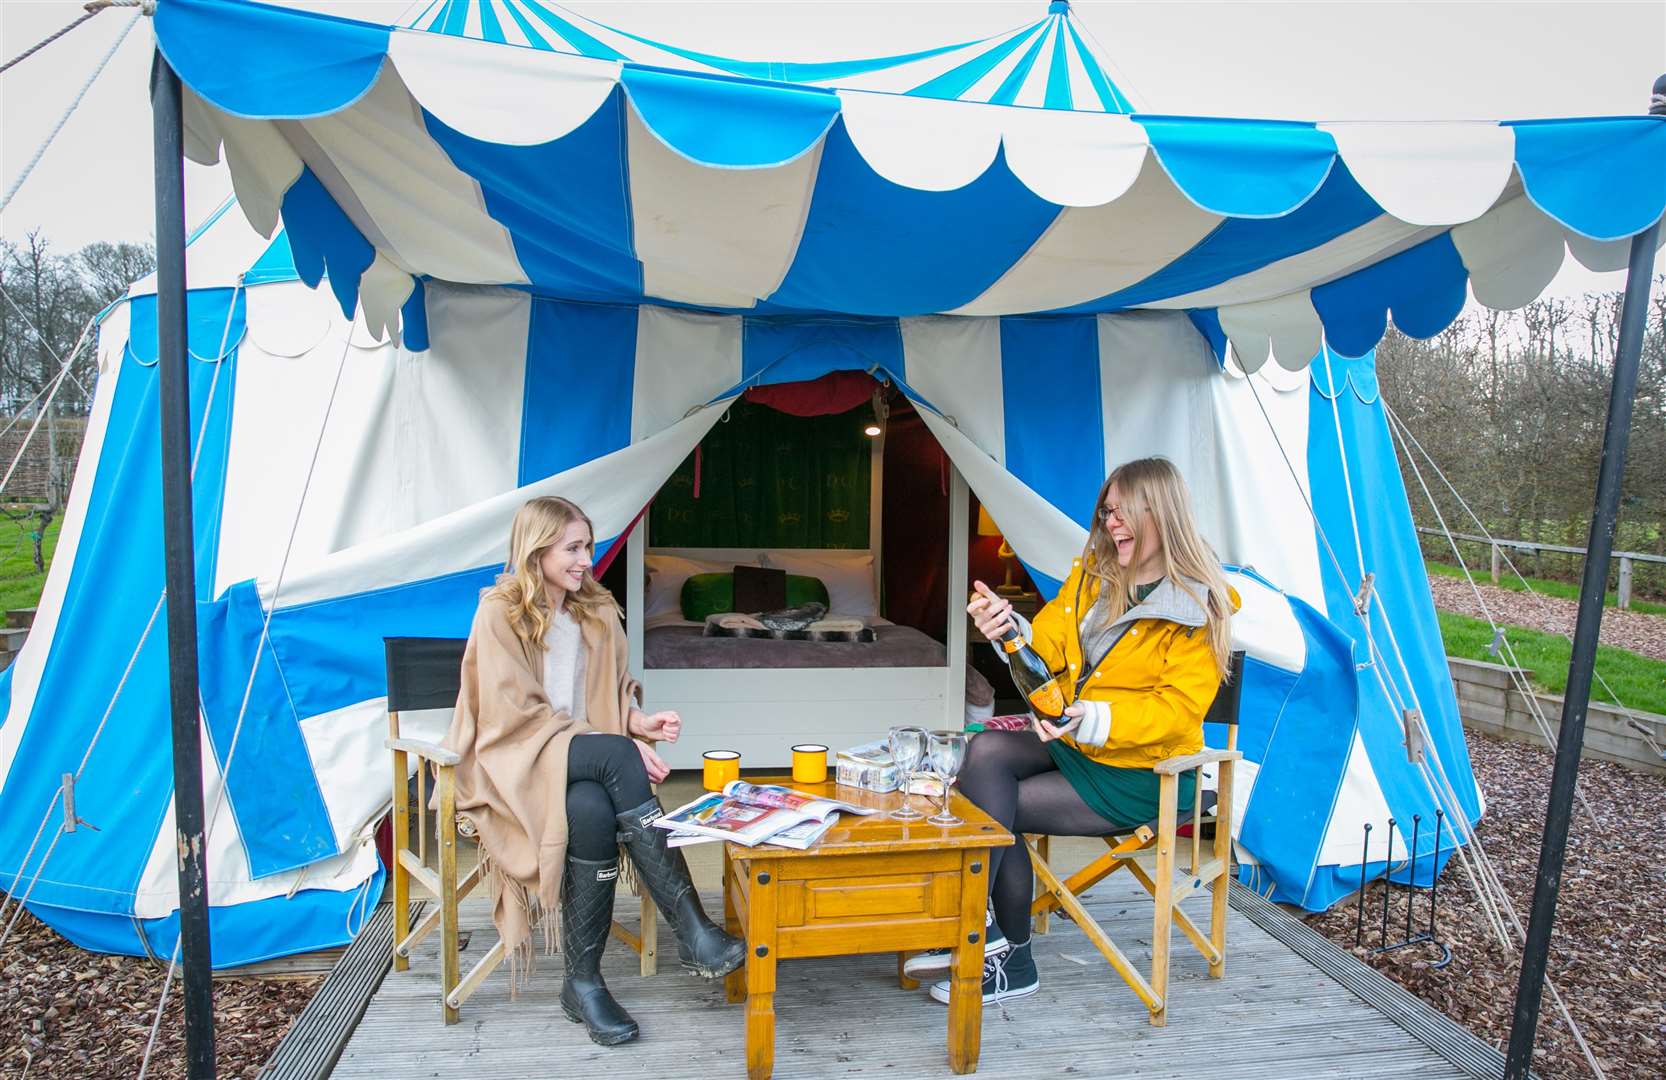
x=146 y=7
x=74 y=104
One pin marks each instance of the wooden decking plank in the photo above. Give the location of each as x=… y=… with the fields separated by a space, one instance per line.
x=1274 y=1016
x=309 y=1049
x=1422 y=1021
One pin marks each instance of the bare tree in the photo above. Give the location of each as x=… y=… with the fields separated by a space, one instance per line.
x=1512 y=404
x=49 y=305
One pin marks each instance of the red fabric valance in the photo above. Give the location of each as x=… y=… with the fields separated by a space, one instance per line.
x=835 y=392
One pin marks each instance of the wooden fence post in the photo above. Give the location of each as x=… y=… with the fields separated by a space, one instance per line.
x=1625 y=583
x=1495 y=562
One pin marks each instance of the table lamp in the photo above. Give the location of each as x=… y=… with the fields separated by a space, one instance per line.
x=987 y=527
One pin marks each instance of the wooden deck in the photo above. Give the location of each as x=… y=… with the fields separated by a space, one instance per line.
x=1275 y=1015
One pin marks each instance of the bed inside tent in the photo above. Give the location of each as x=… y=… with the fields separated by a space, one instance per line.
x=782 y=504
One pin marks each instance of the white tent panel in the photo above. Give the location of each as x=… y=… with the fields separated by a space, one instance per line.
x=683 y=358
x=956 y=365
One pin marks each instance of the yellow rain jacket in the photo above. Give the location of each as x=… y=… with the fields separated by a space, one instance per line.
x=1159 y=678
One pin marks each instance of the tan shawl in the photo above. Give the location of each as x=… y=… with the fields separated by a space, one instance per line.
x=512 y=780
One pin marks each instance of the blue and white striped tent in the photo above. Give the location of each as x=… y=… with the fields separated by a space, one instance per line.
x=1051 y=63
x=1017 y=271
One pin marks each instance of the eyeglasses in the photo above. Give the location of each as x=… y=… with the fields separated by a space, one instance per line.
x=1119 y=513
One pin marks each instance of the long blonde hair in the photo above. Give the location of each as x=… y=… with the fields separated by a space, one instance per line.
x=537 y=527
x=1155 y=498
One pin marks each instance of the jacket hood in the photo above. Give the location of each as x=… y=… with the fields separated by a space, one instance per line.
x=1170 y=602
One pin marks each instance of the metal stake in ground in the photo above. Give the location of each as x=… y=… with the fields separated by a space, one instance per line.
x=1388 y=877
x=1592 y=587
x=177 y=539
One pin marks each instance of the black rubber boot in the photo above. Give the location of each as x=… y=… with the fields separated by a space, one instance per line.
x=703 y=948
x=586 y=918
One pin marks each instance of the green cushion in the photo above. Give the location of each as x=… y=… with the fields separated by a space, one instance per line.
x=713 y=594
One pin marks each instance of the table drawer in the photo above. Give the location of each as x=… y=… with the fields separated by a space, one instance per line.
x=840 y=900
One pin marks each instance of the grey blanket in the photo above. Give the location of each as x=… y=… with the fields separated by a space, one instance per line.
x=687 y=647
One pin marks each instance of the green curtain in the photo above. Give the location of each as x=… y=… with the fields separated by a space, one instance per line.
x=770 y=480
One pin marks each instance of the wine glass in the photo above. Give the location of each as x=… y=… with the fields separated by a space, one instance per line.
x=908 y=746
x=948 y=754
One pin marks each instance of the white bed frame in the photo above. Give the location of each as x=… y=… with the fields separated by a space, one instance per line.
x=762 y=712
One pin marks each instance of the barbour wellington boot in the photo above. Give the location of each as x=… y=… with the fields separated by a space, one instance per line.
x=703 y=947
x=586 y=919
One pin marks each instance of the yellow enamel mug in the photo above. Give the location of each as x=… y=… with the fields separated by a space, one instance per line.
x=809 y=763
x=719 y=767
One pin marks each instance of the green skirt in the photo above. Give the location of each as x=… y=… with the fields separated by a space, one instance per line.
x=1124 y=797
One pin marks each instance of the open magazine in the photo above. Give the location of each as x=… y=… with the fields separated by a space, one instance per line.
x=752 y=814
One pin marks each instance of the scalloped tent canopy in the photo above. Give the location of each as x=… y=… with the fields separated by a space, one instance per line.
x=396 y=154
x=1051 y=63
x=349 y=489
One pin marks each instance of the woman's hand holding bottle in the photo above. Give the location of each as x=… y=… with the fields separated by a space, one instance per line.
x=1030 y=673
x=1047 y=732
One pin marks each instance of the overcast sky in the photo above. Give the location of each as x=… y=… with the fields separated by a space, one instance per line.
x=1342 y=60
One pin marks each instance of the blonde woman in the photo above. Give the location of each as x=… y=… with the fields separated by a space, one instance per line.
x=556 y=766
x=1140 y=635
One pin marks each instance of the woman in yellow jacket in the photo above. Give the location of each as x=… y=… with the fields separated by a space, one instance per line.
x=1140 y=637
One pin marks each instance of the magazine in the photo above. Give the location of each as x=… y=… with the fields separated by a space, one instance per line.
x=751 y=814
x=800 y=836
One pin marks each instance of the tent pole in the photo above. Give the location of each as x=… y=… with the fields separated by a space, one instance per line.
x=179 y=559
x=1592 y=588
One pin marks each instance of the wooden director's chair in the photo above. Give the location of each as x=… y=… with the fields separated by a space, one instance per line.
x=426 y=673
x=1149 y=853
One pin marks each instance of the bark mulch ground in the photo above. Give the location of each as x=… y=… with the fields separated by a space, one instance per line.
x=1632 y=630
x=68 y=1014
x=1609 y=946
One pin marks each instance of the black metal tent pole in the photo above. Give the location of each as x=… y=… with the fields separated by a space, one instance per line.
x=1592 y=589
x=179 y=558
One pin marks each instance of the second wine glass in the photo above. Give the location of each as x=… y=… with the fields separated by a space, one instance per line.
x=908 y=746
x=948 y=754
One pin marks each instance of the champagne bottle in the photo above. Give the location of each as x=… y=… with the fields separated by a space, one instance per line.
x=1031 y=675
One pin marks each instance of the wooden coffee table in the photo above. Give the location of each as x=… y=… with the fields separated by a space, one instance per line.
x=872 y=884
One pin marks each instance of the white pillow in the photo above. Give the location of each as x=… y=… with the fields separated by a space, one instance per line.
x=662 y=601
x=848 y=576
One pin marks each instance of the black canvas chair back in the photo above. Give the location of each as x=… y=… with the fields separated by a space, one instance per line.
x=424 y=672
x=1224 y=709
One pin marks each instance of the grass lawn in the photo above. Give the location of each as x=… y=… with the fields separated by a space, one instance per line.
x=1639 y=681
x=1547 y=586
x=20 y=584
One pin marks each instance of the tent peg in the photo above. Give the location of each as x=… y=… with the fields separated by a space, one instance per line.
x=1364 y=857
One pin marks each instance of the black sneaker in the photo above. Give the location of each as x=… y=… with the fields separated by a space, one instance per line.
x=1006 y=975
x=929 y=965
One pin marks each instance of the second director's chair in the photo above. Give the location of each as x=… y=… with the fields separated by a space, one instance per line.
x=1153 y=853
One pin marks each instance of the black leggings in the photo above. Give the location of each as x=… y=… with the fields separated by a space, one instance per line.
x=1012 y=778
x=605 y=777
